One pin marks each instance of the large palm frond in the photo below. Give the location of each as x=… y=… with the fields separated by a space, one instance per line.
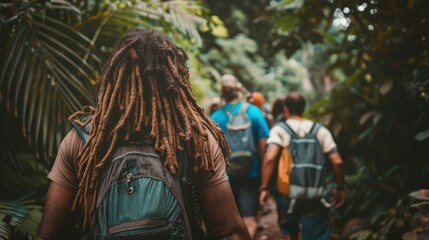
x=51 y=59
x=44 y=77
x=19 y=218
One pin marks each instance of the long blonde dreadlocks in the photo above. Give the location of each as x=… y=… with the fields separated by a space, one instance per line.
x=144 y=87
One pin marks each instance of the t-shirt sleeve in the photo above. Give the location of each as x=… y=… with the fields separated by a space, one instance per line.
x=326 y=140
x=64 y=170
x=278 y=136
x=259 y=124
x=206 y=178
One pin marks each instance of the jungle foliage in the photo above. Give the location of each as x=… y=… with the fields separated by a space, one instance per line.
x=51 y=53
x=379 y=110
x=367 y=63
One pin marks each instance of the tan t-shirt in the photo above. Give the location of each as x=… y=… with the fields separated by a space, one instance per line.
x=279 y=136
x=64 y=171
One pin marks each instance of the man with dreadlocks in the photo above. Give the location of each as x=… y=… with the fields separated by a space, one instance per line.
x=144 y=88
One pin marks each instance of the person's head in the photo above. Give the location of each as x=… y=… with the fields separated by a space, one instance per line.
x=277 y=108
x=214 y=104
x=258 y=100
x=295 y=104
x=144 y=88
x=230 y=88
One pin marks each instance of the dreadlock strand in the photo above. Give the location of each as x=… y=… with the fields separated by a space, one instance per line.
x=171 y=160
x=120 y=125
x=184 y=117
x=171 y=133
x=156 y=119
x=141 y=123
x=94 y=199
x=118 y=56
x=104 y=100
x=161 y=121
x=75 y=115
x=137 y=111
x=137 y=114
x=114 y=97
x=163 y=133
x=179 y=134
x=196 y=124
x=109 y=151
x=125 y=98
x=154 y=112
x=82 y=164
x=177 y=125
x=141 y=118
x=168 y=123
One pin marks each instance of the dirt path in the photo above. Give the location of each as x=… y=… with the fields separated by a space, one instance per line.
x=269 y=229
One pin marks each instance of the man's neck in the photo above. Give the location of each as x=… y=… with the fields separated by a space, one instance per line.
x=296 y=117
x=235 y=100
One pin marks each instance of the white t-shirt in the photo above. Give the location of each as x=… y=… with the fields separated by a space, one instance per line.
x=279 y=136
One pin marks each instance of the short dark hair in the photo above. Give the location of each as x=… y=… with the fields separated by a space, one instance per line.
x=295 y=103
x=277 y=108
x=228 y=93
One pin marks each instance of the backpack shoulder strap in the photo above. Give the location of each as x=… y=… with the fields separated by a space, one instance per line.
x=314 y=129
x=189 y=193
x=83 y=132
x=244 y=107
x=287 y=128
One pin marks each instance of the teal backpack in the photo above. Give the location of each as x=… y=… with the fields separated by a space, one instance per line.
x=307 y=174
x=239 y=134
x=138 y=198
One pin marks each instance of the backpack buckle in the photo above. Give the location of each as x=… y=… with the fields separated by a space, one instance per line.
x=129 y=183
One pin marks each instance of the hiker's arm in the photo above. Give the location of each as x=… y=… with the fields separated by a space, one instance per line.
x=270 y=120
x=268 y=165
x=58 y=204
x=220 y=213
x=261 y=148
x=339 y=195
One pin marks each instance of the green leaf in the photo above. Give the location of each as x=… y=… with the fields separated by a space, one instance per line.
x=423 y=135
x=14 y=58
x=386 y=87
x=29 y=225
x=366 y=116
x=10 y=54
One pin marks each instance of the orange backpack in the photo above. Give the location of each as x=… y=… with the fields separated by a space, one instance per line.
x=284 y=168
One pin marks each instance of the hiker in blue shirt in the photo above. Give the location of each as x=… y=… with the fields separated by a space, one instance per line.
x=244 y=173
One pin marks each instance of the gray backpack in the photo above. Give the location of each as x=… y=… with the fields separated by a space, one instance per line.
x=240 y=138
x=307 y=174
x=138 y=198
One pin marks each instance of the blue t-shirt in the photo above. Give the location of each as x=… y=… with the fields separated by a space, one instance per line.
x=259 y=127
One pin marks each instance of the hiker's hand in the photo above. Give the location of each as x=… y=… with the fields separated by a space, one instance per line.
x=338 y=198
x=263 y=198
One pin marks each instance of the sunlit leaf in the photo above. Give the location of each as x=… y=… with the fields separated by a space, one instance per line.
x=386 y=87
x=364 y=118
x=423 y=135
